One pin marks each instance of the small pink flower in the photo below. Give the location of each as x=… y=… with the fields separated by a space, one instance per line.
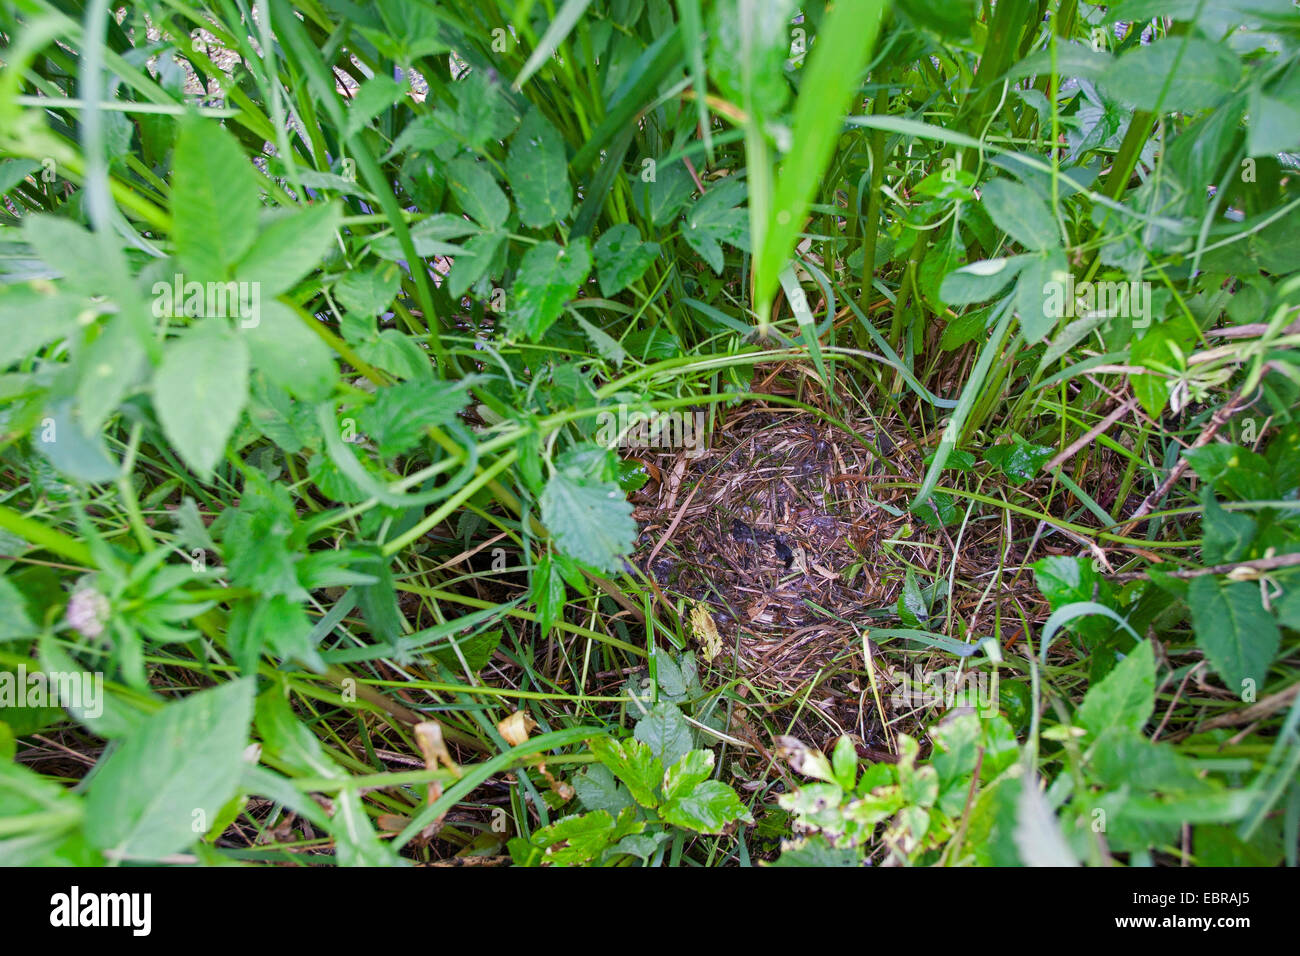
x=87 y=612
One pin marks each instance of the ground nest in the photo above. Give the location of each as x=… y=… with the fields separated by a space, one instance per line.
x=779 y=530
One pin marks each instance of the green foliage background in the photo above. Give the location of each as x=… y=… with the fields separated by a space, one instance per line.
x=244 y=516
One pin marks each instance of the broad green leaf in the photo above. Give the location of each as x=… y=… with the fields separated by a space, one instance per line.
x=373 y=97
x=622 y=258
x=693 y=801
x=598 y=789
x=199 y=392
x=15 y=621
x=549 y=276
x=63 y=441
x=214 y=199
x=290 y=354
x=474 y=261
x=1038 y=292
x=1238 y=636
x=89 y=262
x=716 y=218
x=590 y=519
x=1126 y=698
x=1021 y=214
x=401 y=414
x=1018 y=459
x=1181 y=74
x=368 y=291
x=162 y=788
x=633 y=763
x=477 y=192
x=538 y=172
x=979 y=281
x=110 y=367
x=58 y=313
x=289 y=248
x=665 y=731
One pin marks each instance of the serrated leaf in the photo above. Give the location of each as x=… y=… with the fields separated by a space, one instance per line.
x=1126 y=698
x=289 y=354
x=477 y=192
x=199 y=392
x=178 y=769
x=1238 y=636
x=715 y=219
x=289 y=248
x=598 y=789
x=538 y=172
x=214 y=198
x=549 y=276
x=590 y=519
x=622 y=258
x=400 y=414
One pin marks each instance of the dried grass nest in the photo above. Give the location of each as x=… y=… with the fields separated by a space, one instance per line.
x=776 y=528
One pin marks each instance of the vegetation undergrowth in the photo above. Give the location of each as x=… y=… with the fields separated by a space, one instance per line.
x=327 y=329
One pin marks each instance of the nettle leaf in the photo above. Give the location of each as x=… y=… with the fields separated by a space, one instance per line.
x=1238 y=636
x=716 y=218
x=1126 y=698
x=1021 y=214
x=289 y=248
x=664 y=192
x=214 y=199
x=622 y=258
x=177 y=770
x=549 y=276
x=477 y=192
x=1181 y=74
x=665 y=731
x=368 y=292
x=199 y=392
x=590 y=518
x=290 y=354
x=538 y=172
x=633 y=763
x=401 y=414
